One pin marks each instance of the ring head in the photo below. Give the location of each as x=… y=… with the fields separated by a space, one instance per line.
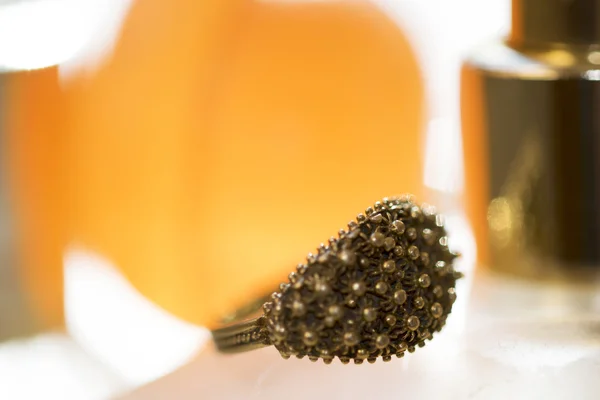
x=381 y=288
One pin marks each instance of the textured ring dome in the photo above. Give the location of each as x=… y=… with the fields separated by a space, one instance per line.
x=381 y=288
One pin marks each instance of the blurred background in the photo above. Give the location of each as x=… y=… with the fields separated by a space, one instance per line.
x=161 y=162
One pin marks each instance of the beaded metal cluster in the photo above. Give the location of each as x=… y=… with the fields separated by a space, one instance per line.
x=381 y=288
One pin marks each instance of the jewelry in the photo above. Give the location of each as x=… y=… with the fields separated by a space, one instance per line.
x=382 y=288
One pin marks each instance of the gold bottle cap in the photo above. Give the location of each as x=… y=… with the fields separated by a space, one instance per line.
x=555 y=22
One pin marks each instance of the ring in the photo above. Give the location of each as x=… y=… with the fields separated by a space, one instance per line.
x=379 y=289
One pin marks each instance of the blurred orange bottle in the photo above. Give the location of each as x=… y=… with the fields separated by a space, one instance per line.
x=222 y=141
x=35 y=149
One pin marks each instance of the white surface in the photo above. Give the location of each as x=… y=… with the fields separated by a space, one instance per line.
x=53 y=366
x=110 y=319
x=519 y=341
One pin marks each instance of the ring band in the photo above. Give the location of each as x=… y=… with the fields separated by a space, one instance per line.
x=379 y=289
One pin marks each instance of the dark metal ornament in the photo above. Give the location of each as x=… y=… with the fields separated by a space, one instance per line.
x=382 y=288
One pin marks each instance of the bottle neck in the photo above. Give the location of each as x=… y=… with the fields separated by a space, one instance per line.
x=570 y=22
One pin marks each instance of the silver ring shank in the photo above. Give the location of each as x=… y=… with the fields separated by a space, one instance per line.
x=243 y=336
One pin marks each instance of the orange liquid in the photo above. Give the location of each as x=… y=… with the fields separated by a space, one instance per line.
x=476 y=157
x=35 y=153
x=225 y=140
